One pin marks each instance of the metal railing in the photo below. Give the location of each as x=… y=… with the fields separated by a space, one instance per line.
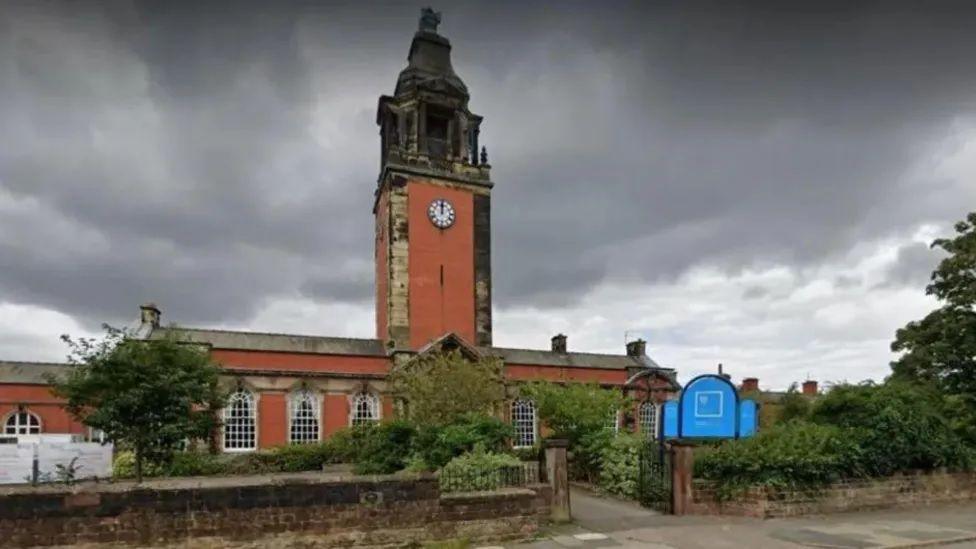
x=489 y=478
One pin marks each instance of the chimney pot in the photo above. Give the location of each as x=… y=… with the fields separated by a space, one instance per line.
x=810 y=387
x=637 y=348
x=150 y=314
x=559 y=343
x=750 y=384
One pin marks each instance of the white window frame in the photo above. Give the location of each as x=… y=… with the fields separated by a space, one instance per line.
x=371 y=401
x=655 y=414
x=19 y=422
x=295 y=400
x=524 y=438
x=614 y=421
x=252 y=403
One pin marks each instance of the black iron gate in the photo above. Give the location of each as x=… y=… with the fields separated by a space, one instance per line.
x=654 y=476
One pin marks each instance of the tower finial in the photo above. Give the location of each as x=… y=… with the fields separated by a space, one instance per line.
x=429 y=19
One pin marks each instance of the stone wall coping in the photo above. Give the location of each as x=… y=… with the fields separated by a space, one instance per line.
x=485 y=496
x=186 y=483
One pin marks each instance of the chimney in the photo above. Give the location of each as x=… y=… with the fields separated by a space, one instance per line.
x=149 y=315
x=810 y=387
x=637 y=348
x=559 y=343
x=750 y=385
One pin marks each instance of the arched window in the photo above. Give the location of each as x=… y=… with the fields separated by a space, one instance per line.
x=304 y=422
x=22 y=423
x=365 y=409
x=648 y=419
x=240 y=434
x=523 y=420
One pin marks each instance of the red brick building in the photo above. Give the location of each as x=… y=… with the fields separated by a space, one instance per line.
x=433 y=291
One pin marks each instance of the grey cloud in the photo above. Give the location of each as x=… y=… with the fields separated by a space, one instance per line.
x=214 y=156
x=913 y=266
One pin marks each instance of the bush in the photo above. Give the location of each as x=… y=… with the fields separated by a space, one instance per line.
x=476 y=471
x=619 y=465
x=899 y=426
x=302 y=457
x=793 y=455
x=183 y=464
x=437 y=445
x=386 y=448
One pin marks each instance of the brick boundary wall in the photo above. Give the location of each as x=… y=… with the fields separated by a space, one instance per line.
x=910 y=489
x=305 y=510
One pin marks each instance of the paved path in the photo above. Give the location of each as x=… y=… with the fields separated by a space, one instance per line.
x=606 y=522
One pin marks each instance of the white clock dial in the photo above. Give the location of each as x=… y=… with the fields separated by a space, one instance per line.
x=441 y=213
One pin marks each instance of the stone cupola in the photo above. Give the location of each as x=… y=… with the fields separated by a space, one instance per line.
x=426 y=124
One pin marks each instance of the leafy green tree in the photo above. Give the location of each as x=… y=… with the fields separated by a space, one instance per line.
x=146 y=395
x=580 y=413
x=438 y=388
x=573 y=410
x=941 y=348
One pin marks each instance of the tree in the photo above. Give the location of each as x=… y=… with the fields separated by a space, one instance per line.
x=575 y=409
x=148 y=395
x=941 y=348
x=794 y=405
x=580 y=413
x=442 y=386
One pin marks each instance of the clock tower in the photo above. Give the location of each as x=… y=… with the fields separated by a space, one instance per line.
x=433 y=204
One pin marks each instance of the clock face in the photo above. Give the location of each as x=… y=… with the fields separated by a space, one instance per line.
x=441 y=213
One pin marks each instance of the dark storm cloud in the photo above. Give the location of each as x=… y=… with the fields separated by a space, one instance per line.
x=212 y=156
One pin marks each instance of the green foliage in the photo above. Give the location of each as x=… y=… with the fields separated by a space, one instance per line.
x=476 y=471
x=619 y=465
x=794 y=405
x=941 y=348
x=440 y=387
x=791 y=455
x=573 y=410
x=182 y=464
x=149 y=396
x=436 y=445
x=303 y=457
x=899 y=426
x=386 y=448
x=580 y=413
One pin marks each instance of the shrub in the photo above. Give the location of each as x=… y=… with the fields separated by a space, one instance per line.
x=386 y=448
x=792 y=455
x=182 y=464
x=437 y=445
x=476 y=471
x=619 y=465
x=303 y=457
x=899 y=426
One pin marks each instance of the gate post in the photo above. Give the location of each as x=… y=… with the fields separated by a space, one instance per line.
x=682 y=463
x=558 y=472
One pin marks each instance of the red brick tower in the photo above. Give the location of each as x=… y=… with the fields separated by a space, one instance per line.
x=433 y=205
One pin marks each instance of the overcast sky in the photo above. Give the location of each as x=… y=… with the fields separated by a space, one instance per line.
x=748 y=185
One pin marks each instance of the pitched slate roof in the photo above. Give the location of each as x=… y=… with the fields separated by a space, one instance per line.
x=535 y=357
x=31 y=373
x=286 y=343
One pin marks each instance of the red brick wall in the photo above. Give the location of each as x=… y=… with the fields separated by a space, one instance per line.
x=436 y=309
x=298 y=362
x=521 y=372
x=272 y=419
x=336 y=410
x=39 y=400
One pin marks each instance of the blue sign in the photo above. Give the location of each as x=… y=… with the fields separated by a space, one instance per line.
x=669 y=418
x=748 y=418
x=708 y=408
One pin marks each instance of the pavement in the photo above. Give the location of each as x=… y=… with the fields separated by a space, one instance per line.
x=608 y=522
